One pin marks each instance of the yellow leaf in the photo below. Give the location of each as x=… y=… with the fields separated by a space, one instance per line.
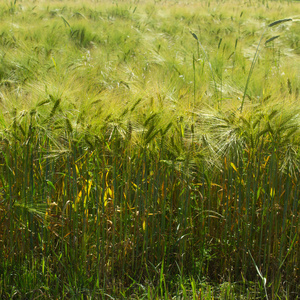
x=77 y=170
x=89 y=187
x=78 y=197
x=107 y=195
x=234 y=167
x=272 y=192
x=106 y=178
x=144 y=225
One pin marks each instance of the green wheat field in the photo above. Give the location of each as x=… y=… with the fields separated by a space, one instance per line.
x=150 y=149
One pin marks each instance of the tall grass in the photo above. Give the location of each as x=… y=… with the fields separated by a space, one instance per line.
x=112 y=185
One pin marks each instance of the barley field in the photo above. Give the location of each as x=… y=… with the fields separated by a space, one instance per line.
x=150 y=149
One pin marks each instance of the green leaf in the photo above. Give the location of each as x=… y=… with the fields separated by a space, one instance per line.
x=51 y=184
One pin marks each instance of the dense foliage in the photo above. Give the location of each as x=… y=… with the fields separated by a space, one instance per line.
x=149 y=150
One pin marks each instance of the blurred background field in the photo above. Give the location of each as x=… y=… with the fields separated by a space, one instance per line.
x=149 y=149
